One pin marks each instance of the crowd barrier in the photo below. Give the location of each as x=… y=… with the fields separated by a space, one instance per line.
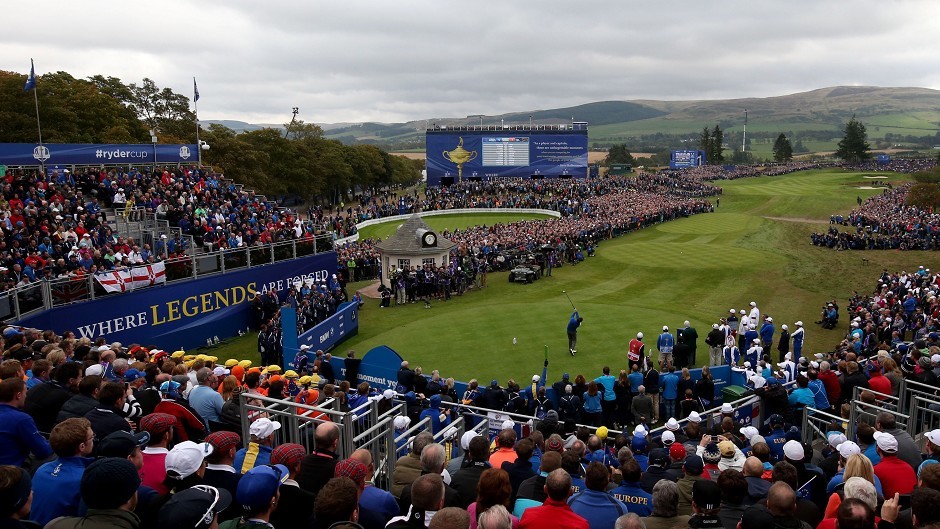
x=465 y=211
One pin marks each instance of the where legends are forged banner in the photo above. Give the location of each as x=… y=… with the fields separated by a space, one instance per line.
x=183 y=314
x=12 y=154
x=132 y=278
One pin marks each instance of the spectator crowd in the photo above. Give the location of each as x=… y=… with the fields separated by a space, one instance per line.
x=103 y=435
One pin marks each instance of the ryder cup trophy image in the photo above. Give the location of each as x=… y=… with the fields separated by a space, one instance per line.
x=460 y=156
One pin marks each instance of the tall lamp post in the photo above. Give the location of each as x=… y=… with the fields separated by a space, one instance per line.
x=153 y=140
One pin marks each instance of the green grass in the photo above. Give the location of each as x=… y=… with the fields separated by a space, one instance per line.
x=450 y=222
x=690 y=269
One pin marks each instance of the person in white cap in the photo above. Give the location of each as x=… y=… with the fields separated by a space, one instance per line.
x=754 y=315
x=258 y=451
x=754 y=352
x=742 y=329
x=797 y=338
x=931 y=447
x=665 y=344
x=732 y=323
x=895 y=474
x=731 y=354
x=783 y=344
x=788 y=368
x=766 y=332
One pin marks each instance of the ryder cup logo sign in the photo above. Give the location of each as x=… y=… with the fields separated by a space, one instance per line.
x=41 y=153
x=184 y=152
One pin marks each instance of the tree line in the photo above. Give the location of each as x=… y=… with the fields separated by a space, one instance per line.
x=102 y=109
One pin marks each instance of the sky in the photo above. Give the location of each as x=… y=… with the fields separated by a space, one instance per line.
x=385 y=61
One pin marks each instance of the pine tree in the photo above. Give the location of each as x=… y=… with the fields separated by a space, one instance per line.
x=715 y=157
x=783 y=151
x=705 y=144
x=854 y=145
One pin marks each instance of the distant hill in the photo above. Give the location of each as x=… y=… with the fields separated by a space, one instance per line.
x=816 y=118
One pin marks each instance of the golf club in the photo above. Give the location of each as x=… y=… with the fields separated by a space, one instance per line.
x=569 y=299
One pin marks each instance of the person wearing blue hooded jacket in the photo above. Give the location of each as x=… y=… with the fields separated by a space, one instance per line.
x=439 y=419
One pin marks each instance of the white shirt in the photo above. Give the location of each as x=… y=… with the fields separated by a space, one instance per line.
x=754 y=315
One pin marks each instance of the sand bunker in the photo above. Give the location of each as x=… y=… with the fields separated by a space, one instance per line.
x=876 y=177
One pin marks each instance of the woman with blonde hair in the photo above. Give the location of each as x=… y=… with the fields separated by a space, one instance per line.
x=856 y=466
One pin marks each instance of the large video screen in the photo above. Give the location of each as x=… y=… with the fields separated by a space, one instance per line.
x=490 y=154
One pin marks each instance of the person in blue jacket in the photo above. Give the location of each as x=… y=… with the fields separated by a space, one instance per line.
x=669 y=383
x=609 y=402
x=797 y=336
x=594 y=504
x=631 y=493
x=439 y=419
x=767 y=332
x=573 y=323
x=665 y=344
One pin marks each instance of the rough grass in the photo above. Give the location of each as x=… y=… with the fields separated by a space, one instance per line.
x=690 y=269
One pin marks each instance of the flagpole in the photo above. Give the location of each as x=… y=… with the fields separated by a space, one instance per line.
x=196 y=112
x=42 y=163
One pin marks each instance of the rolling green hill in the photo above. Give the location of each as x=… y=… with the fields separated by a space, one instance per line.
x=904 y=116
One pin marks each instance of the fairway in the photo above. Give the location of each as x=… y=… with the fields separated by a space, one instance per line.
x=755 y=247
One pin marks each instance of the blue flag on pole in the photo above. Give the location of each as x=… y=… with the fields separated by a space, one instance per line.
x=195 y=91
x=31 y=80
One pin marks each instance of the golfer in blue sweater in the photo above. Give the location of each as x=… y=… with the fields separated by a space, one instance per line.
x=573 y=323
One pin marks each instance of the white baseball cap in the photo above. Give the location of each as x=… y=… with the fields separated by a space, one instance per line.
x=769 y=319
x=401 y=422
x=714 y=326
x=753 y=303
x=508 y=424
x=220 y=371
x=784 y=327
x=185 y=458
x=465 y=439
x=672 y=424
x=536 y=378
x=695 y=417
x=726 y=408
x=848 y=449
x=758 y=381
x=749 y=431
x=835 y=439
x=94 y=369
x=886 y=442
x=668 y=438
x=263 y=428
x=731 y=311
x=933 y=436
x=665 y=327
x=793 y=450
x=799 y=323
x=639 y=430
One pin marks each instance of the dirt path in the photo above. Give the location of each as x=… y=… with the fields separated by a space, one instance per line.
x=804 y=220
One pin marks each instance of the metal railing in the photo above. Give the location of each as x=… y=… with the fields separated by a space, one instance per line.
x=22 y=301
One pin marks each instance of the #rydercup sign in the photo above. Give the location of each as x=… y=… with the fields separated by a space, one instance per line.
x=185 y=313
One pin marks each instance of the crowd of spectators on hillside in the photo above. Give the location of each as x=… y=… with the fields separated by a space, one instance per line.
x=884 y=222
x=160 y=432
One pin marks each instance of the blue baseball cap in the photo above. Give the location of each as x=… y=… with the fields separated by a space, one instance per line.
x=259 y=485
x=133 y=374
x=170 y=387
